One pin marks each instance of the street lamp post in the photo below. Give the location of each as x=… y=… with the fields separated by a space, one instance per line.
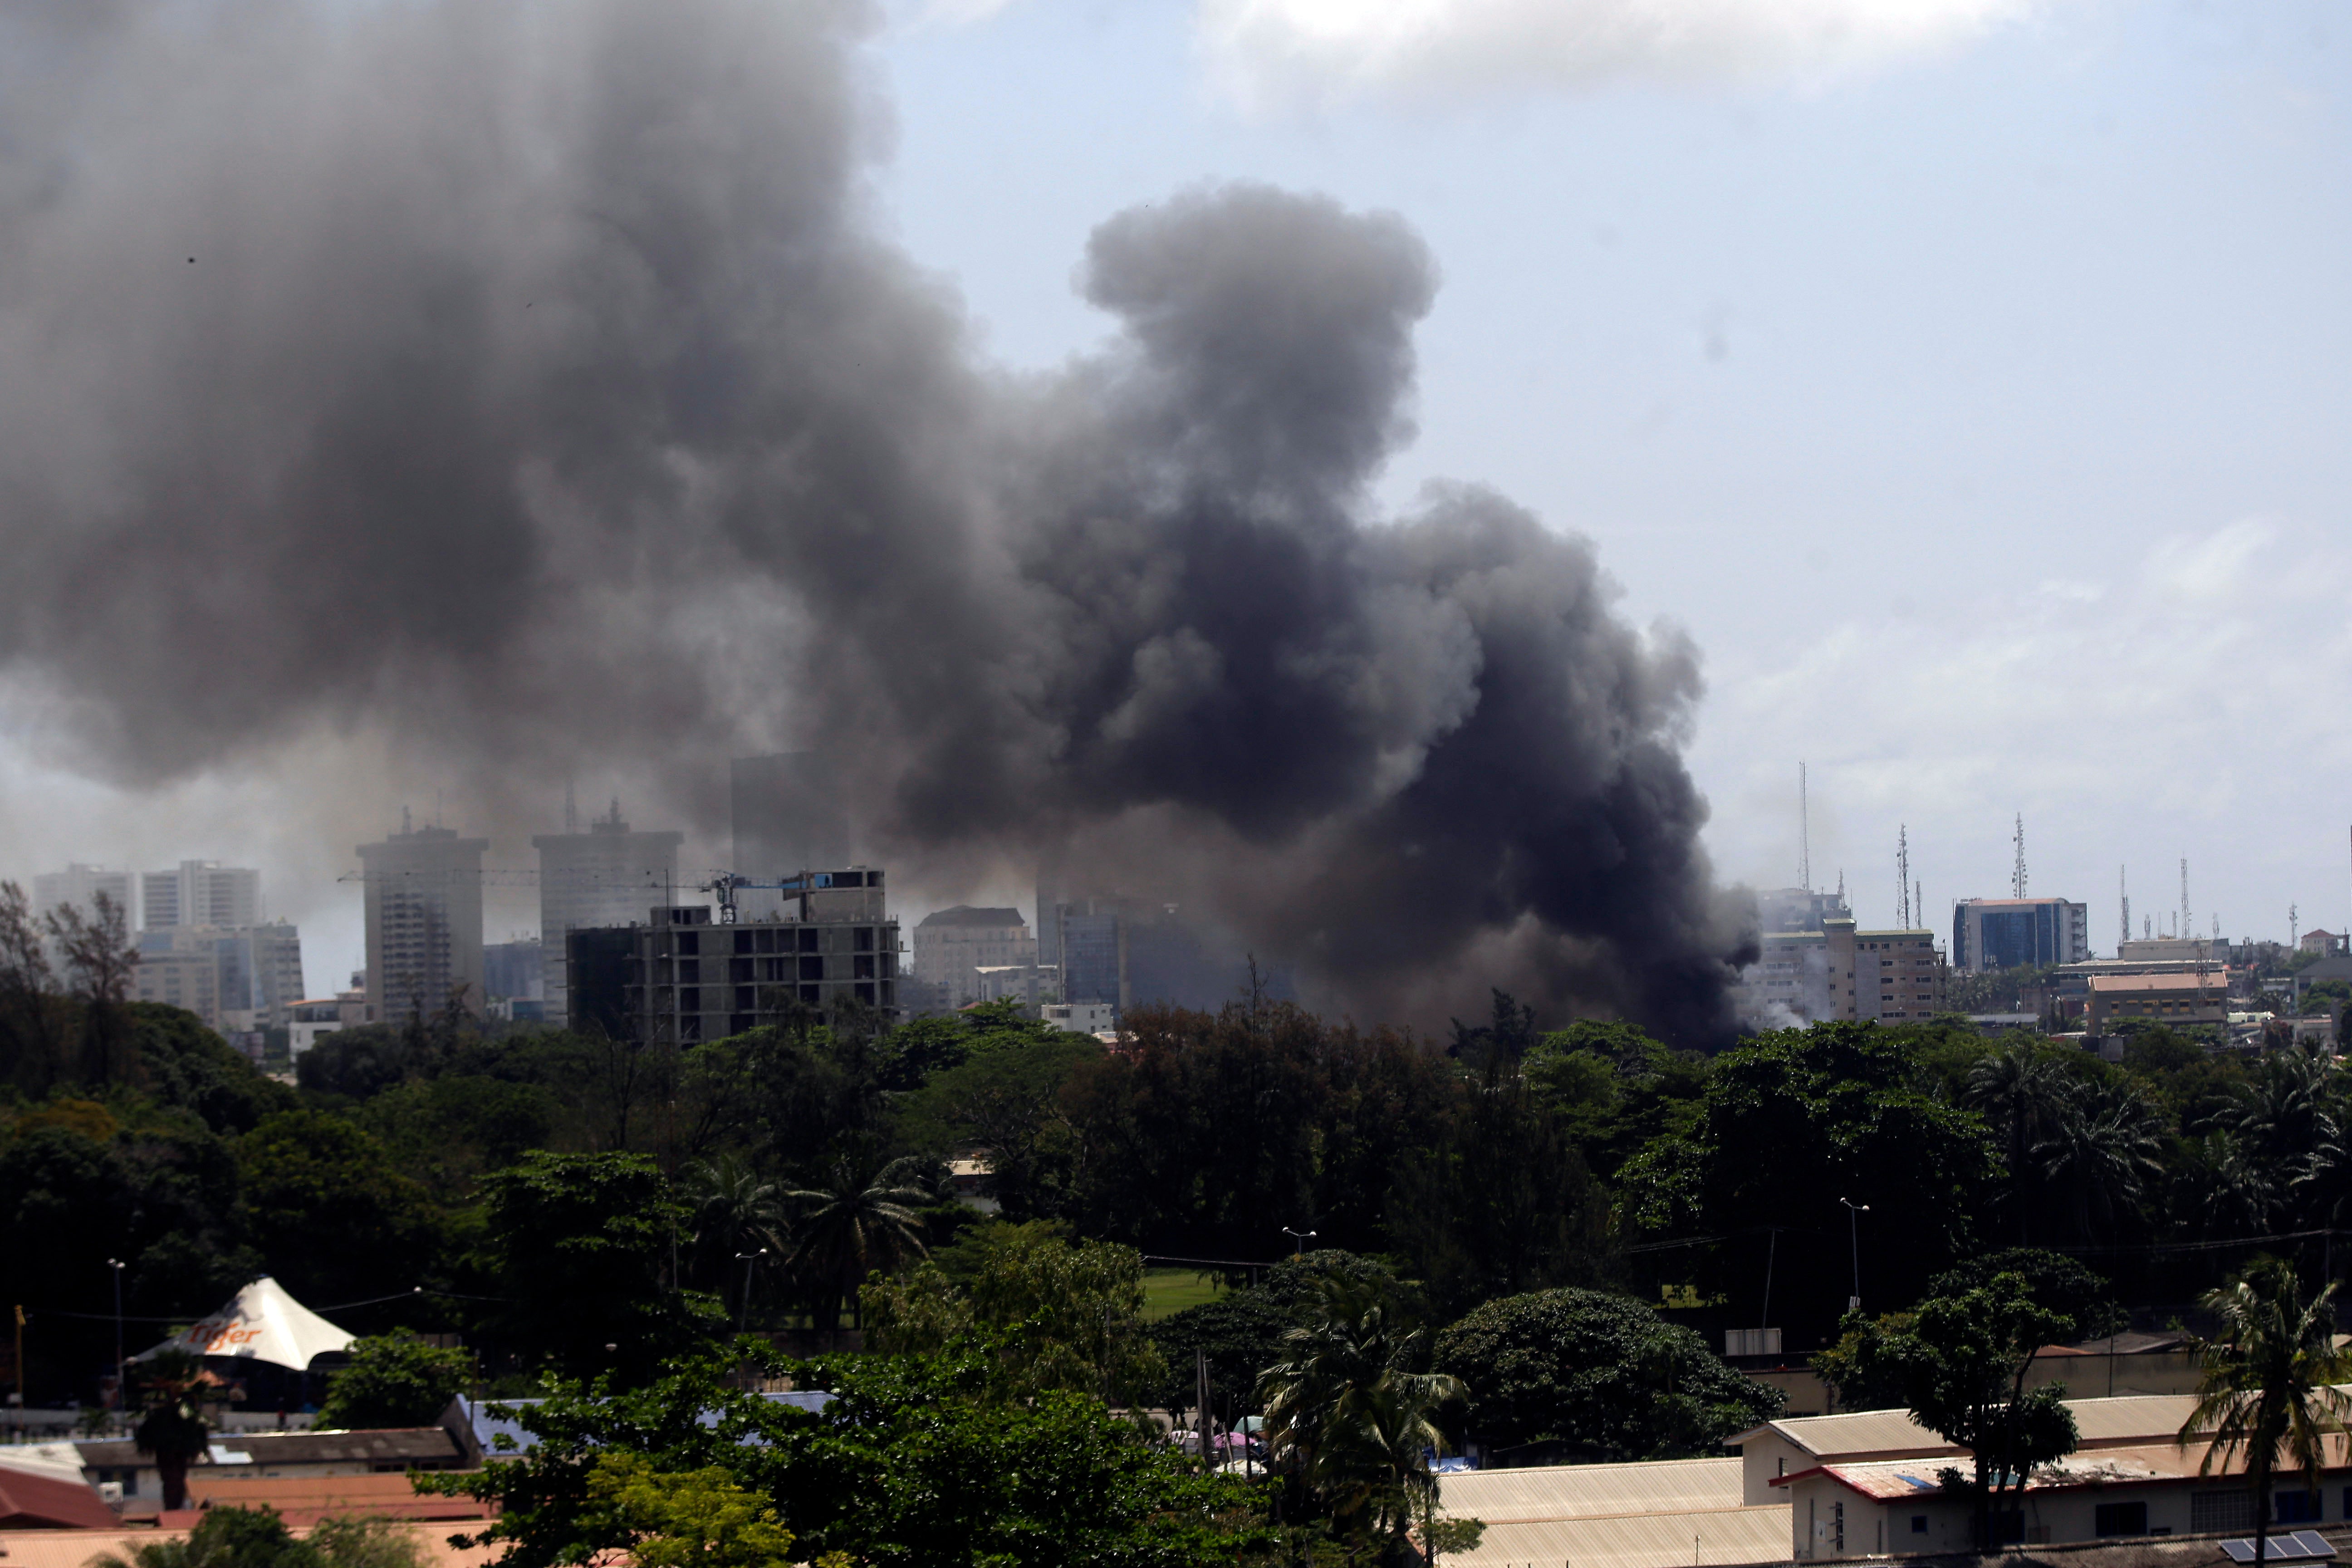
x=1300 y=1238
x=121 y=1381
x=750 y=1261
x=1853 y=1213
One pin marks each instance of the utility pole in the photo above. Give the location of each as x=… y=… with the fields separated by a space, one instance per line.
x=2123 y=891
x=121 y=1381
x=1853 y=1213
x=2187 y=920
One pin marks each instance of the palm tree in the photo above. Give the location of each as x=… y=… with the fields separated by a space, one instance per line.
x=173 y=1427
x=2105 y=1148
x=2024 y=1099
x=1345 y=1415
x=2269 y=1381
x=858 y=1221
x=736 y=1211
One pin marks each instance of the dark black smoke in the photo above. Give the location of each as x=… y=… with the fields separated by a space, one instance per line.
x=527 y=385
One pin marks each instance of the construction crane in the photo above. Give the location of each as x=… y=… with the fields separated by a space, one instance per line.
x=724 y=885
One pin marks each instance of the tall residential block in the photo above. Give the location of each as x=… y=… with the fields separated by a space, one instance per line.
x=1894 y=977
x=78 y=886
x=678 y=978
x=607 y=876
x=1790 y=981
x=423 y=921
x=201 y=893
x=2009 y=933
x=236 y=979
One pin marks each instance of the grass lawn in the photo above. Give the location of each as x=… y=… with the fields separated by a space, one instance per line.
x=1166 y=1291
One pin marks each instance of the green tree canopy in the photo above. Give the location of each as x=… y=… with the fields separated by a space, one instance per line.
x=325 y=1204
x=580 y=1244
x=1599 y=1376
x=1794 y=1121
x=913 y=1460
x=1964 y=1360
x=394 y=1380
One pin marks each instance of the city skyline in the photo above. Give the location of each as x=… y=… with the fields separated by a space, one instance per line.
x=1982 y=460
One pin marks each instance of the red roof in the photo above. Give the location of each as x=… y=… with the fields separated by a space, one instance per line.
x=29 y=1501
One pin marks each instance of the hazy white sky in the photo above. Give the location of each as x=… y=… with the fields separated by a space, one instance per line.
x=1970 y=378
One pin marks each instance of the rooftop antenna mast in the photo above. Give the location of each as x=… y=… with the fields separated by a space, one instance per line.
x=1804 y=834
x=2017 y=873
x=2293 y=915
x=2187 y=920
x=1903 y=877
x=2123 y=891
x=571 y=809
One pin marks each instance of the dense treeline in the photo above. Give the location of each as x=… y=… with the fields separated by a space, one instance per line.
x=480 y=1174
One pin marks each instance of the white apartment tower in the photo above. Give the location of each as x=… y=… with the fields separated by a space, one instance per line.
x=607 y=876
x=78 y=886
x=201 y=893
x=423 y=921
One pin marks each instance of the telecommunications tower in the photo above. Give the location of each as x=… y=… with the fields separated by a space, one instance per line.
x=2017 y=872
x=1902 y=878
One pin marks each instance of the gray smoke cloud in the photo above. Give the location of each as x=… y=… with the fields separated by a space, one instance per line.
x=531 y=386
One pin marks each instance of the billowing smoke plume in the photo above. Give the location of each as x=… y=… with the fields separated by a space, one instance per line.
x=529 y=386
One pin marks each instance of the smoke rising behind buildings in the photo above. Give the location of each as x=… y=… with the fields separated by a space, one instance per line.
x=532 y=390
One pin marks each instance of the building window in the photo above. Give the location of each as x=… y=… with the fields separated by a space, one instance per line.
x=2220 y=1510
x=689 y=972
x=689 y=942
x=865 y=938
x=808 y=995
x=808 y=939
x=865 y=994
x=1918 y=1525
x=689 y=999
x=743 y=1001
x=2119 y=1519
x=811 y=969
x=2297 y=1507
x=864 y=969
x=738 y=970
x=743 y=942
x=764 y=940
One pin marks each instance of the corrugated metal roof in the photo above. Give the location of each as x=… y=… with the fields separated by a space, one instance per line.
x=1713 y=1540
x=1577 y=1491
x=2126 y=1418
x=75 y=1548
x=2098 y=1466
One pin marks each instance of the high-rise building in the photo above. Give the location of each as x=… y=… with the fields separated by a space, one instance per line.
x=1132 y=952
x=680 y=978
x=1788 y=983
x=952 y=946
x=78 y=886
x=1893 y=977
x=236 y=979
x=607 y=876
x=514 y=970
x=423 y=921
x=789 y=815
x=2008 y=933
x=201 y=893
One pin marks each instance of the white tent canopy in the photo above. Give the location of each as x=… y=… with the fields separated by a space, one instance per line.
x=262 y=1323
